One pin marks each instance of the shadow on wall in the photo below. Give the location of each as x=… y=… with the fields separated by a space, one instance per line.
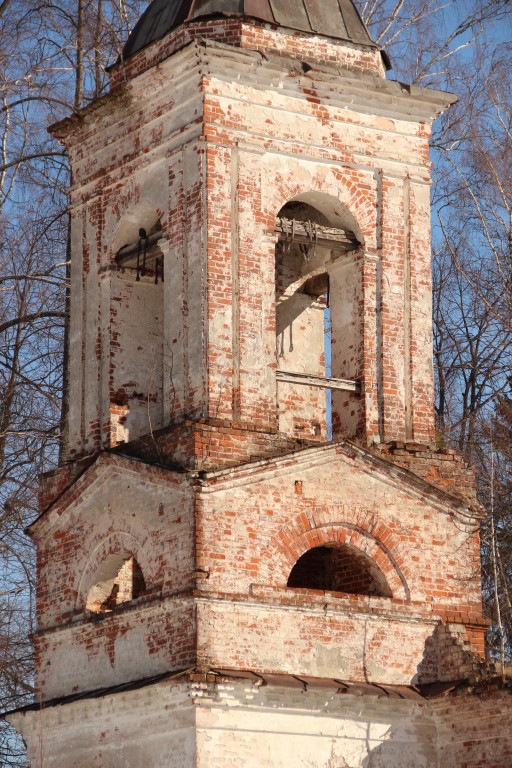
x=449 y=656
x=410 y=744
x=410 y=741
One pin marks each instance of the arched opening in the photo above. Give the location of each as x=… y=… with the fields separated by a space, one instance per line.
x=137 y=326
x=140 y=216
x=118 y=580
x=338 y=568
x=142 y=253
x=316 y=327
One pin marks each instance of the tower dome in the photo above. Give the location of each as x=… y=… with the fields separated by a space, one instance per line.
x=337 y=19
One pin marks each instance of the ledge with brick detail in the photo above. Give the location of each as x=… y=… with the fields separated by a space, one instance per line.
x=190 y=627
x=443 y=468
x=257 y=36
x=486 y=687
x=54 y=483
x=211 y=444
x=216 y=445
x=461 y=724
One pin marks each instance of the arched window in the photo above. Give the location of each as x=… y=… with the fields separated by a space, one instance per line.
x=119 y=579
x=316 y=312
x=338 y=568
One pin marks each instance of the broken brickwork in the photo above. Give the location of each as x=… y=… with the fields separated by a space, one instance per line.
x=211 y=157
x=250 y=230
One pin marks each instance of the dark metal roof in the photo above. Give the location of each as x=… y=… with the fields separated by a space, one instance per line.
x=303 y=683
x=332 y=18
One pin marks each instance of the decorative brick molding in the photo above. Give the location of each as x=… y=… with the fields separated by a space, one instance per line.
x=366 y=535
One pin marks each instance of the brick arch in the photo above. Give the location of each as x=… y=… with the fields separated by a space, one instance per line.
x=116 y=542
x=375 y=541
x=138 y=215
x=345 y=185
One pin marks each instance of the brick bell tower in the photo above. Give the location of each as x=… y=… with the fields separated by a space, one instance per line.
x=251 y=555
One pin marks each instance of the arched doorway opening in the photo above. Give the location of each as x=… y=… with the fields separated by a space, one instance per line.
x=317 y=329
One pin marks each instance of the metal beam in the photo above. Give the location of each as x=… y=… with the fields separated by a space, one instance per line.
x=309 y=233
x=324 y=382
x=126 y=257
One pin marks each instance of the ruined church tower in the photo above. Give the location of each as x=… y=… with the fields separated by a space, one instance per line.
x=252 y=554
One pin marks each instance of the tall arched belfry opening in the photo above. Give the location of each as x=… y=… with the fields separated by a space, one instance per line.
x=253 y=554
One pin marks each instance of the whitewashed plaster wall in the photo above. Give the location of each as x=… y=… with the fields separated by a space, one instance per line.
x=233 y=724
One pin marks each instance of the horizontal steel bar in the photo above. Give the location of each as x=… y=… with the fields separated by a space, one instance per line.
x=324 y=382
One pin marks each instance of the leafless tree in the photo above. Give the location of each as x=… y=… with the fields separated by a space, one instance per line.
x=494 y=459
x=426 y=38
x=53 y=57
x=465 y=48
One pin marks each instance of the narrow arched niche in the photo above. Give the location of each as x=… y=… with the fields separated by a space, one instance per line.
x=118 y=580
x=338 y=568
x=317 y=331
x=137 y=344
